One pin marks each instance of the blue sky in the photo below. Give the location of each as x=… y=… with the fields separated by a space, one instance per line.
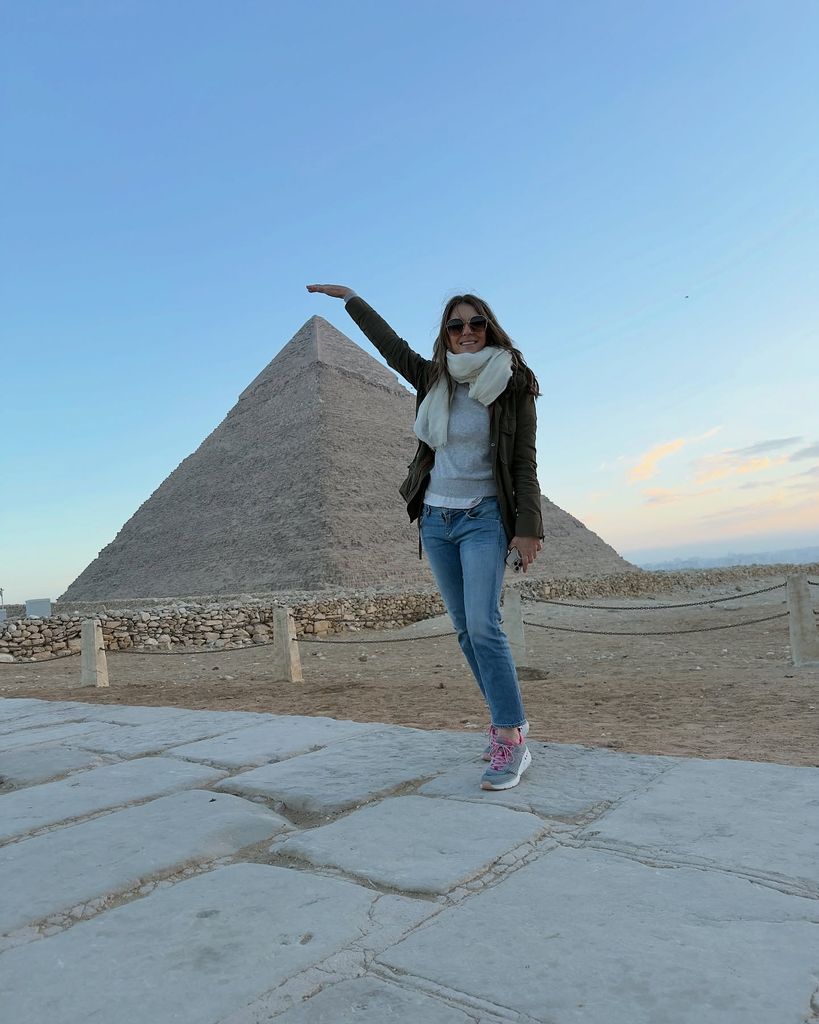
x=632 y=186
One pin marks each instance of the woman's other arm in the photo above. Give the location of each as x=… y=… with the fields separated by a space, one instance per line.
x=412 y=366
x=529 y=519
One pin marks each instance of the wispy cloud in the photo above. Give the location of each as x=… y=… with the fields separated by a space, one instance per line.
x=807 y=480
x=774 y=445
x=706 y=435
x=754 y=458
x=753 y=485
x=618 y=462
x=661 y=496
x=782 y=511
x=811 y=452
x=733 y=463
x=646 y=465
x=750 y=511
x=665 y=496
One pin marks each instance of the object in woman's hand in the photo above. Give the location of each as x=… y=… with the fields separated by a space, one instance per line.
x=513 y=559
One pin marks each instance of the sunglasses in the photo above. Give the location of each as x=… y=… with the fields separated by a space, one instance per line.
x=456 y=325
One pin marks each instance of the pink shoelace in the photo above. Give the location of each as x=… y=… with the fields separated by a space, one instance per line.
x=502 y=754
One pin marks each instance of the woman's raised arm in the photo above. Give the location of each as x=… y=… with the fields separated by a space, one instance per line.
x=335 y=291
x=412 y=366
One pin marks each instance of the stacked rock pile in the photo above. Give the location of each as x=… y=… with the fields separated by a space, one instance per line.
x=631 y=584
x=211 y=626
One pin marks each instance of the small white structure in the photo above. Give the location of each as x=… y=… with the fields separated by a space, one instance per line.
x=38 y=608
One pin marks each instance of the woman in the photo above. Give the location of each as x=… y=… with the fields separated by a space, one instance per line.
x=473 y=487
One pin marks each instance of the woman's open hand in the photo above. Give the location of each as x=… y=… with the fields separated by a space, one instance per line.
x=336 y=291
x=528 y=548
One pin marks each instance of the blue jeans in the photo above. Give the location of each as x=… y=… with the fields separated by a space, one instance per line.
x=466 y=549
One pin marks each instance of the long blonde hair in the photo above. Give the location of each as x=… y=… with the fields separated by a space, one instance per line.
x=495 y=335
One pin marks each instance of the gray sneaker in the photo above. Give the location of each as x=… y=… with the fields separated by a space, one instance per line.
x=487 y=754
x=507 y=765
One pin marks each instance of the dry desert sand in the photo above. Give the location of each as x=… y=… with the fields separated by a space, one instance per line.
x=728 y=693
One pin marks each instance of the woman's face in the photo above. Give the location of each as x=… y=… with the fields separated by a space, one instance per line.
x=470 y=339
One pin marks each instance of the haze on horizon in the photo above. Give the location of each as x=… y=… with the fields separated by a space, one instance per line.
x=633 y=189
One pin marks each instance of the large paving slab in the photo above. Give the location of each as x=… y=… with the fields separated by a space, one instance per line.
x=353 y=772
x=13 y=705
x=134 y=740
x=130 y=715
x=278 y=738
x=12 y=708
x=98 y=789
x=762 y=819
x=39 y=719
x=190 y=953
x=373 y=1001
x=57 y=871
x=27 y=766
x=566 y=782
x=415 y=843
x=45 y=734
x=592 y=937
x=60 y=710
x=127 y=714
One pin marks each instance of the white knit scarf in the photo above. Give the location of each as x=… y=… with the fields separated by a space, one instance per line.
x=486 y=372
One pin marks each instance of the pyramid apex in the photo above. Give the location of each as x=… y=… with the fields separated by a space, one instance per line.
x=319 y=343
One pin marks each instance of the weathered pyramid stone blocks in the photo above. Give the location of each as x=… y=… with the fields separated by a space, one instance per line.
x=297 y=488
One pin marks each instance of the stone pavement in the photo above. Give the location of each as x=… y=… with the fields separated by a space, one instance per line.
x=194 y=867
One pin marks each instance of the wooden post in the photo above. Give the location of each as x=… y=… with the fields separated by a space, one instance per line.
x=513 y=625
x=802 y=622
x=286 y=661
x=94 y=665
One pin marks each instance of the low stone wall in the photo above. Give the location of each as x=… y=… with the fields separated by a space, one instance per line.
x=644 y=583
x=245 y=621
x=214 y=626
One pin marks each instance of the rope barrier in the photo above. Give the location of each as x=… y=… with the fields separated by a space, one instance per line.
x=437 y=636
x=196 y=650
x=667 y=632
x=389 y=640
x=42 y=661
x=656 y=607
x=231 y=650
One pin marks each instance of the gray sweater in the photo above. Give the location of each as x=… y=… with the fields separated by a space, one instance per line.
x=462 y=473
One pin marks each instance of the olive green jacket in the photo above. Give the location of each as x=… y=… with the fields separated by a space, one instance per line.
x=513 y=423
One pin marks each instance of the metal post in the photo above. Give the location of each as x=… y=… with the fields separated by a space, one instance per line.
x=801 y=622
x=286 y=660
x=94 y=665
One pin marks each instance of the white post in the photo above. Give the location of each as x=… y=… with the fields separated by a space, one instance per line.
x=94 y=666
x=801 y=622
x=513 y=625
x=286 y=661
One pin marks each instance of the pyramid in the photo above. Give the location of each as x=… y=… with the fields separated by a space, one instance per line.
x=296 y=489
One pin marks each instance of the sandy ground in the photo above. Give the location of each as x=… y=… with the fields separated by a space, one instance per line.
x=727 y=693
